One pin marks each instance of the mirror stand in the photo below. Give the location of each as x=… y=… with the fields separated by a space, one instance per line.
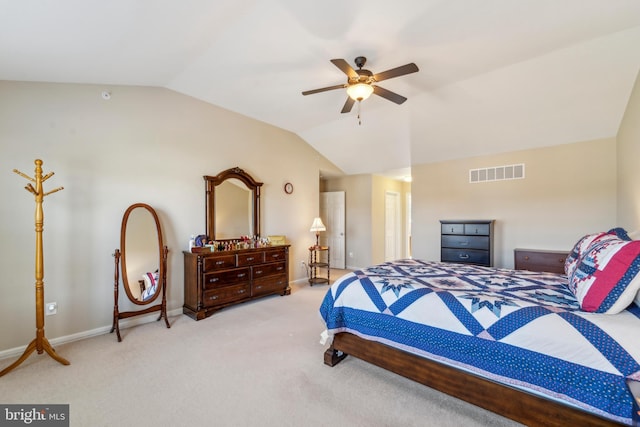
x=162 y=307
x=141 y=265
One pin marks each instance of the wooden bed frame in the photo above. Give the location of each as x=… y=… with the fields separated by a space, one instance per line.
x=518 y=405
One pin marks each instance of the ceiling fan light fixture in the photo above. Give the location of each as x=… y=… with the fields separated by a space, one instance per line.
x=359 y=91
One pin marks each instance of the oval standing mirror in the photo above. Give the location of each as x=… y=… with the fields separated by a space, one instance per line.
x=233 y=205
x=142 y=260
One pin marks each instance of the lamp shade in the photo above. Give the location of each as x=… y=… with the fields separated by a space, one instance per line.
x=359 y=91
x=317 y=225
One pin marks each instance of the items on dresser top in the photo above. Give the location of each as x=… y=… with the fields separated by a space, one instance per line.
x=467 y=241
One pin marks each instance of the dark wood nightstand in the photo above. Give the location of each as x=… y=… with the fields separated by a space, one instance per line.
x=540 y=260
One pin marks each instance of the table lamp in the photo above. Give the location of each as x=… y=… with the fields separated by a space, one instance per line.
x=317 y=226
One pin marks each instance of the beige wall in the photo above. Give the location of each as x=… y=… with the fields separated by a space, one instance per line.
x=146 y=145
x=365 y=215
x=358 y=239
x=569 y=191
x=629 y=164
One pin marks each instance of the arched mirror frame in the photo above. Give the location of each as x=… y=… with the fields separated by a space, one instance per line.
x=121 y=266
x=210 y=186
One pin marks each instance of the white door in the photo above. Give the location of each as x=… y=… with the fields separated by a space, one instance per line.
x=408 y=225
x=332 y=212
x=392 y=234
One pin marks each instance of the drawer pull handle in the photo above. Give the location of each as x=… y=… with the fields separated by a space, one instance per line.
x=464 y=243
x=463 y=256
x=219 y=262
x=275 y=256
x=214 y=279
x=214 y=297
x=250 y=258
x=280 y=268
x=242 y=291
x=258 y=271
x=526 y=258
x=241 y=274
x=259 y=287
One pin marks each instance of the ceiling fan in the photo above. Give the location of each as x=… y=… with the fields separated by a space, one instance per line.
x=360 y=83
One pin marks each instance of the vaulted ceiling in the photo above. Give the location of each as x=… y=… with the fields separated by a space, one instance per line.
x=495 y=75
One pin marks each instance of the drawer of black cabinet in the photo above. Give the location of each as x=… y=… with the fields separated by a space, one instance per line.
x=219 y=262
x=226 y=294
x=476 y=229
x=465 y=242
x=224 y=278
x=270 y=285
x=452 y=228
x=268 y=269
x=469 y=256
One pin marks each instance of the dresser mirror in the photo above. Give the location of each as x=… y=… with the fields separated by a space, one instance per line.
x=232 y=205
x=141 y=262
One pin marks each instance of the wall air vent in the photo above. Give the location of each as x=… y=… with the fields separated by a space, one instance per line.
x=496 y=173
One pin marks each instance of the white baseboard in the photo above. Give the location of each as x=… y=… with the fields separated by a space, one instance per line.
x=17 y=351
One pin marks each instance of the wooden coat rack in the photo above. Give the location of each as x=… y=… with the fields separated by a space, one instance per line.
x=40 y=343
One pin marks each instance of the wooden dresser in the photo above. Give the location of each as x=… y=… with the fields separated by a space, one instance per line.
x=467 y=242
x=540 y=260
x=219 y=279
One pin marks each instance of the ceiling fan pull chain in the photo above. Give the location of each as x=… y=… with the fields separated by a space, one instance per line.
x=359 y=120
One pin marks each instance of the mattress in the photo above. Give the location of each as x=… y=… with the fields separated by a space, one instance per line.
x=524 y=329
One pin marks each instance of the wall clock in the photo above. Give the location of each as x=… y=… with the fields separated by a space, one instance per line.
x=288 y=188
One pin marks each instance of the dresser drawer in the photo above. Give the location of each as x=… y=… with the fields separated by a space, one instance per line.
x=269 y=285
x=540 y=260
x=225 y=278
x=275 y=255
x=470 y=256
x=476 y=229
x=269 y=269
x=226 y=294
x=250 y=258
x=465 y=242
x=219 y=262
x=452 y=228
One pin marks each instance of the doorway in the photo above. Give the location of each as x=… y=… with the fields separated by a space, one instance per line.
x=332 y=212
x=392 y=226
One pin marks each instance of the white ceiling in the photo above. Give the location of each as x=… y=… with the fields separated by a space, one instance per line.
x=495 y=75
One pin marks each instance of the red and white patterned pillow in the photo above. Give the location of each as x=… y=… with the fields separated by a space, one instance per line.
x=579 y=249
x=606 y=278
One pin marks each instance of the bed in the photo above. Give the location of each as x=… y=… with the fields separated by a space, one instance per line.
x=535 y=347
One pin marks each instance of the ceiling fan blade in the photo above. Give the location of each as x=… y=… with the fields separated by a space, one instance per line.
x=324 y=89
x=348 y=105
x=345 y=67
x=396 y=72
x=387 y=94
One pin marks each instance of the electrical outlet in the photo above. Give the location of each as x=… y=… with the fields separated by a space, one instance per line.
x=50 y=308
x=350 y=254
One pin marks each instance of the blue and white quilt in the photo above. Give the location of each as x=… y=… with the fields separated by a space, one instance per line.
x=521 y=328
